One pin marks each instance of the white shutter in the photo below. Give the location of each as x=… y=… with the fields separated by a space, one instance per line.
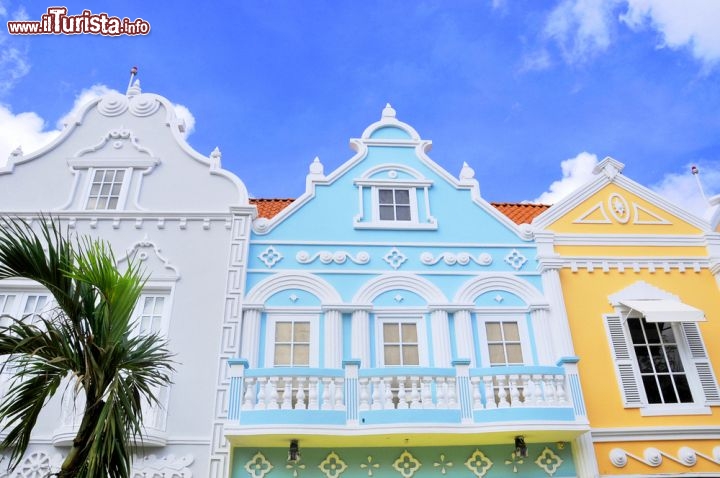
x=702 y=363
x=624 y=364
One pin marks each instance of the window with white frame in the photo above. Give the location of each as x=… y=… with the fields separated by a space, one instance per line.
x=401 y=342
x=660 y=358
x=23 y=305
x=107 y=189
x=504 y=343
x=150 y=314
x=395 y=204
x=293 y=341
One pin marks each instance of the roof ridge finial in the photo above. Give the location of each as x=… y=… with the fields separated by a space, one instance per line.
x=134 y=84
x=388 y=111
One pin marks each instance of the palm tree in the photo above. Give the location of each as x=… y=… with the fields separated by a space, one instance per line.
x=87 y=339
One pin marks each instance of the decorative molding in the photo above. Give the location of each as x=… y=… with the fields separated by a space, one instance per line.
x=443 y=464
x=395 y=258
x=258 y=466
x=515 y=259
x=406 y=464
x=424 y=288
x=619 y=209
x=322 y=289
x=653 y=457
x=117 y=139
x=638 y=211
x=332 y=466
x=548 y=461
x=452 y=258
x=641 y=290
x=270 y=256
x=149 y=254
x=597 y=209
x=643 y=240
x=170 y=466
x=600 y=435
x=636 y=264
x=478 y=463
x=477 y=286
x=328 y=257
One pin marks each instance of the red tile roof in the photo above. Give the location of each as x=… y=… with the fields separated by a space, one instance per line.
x=520 y=213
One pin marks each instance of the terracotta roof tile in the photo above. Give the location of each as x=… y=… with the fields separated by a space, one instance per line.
x=520 y=213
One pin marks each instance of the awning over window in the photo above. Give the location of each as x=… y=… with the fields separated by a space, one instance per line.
x=661 y=310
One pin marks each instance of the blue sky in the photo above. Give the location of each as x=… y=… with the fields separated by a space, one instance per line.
x=531 y=94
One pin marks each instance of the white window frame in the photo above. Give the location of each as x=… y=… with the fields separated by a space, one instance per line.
x=694 y=358
x=125 y=186
x=412 y=193
x=418 y=320
x=521 y=320
x=273 y=318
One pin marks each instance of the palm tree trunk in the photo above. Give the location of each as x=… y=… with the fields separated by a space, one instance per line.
x=82 y=442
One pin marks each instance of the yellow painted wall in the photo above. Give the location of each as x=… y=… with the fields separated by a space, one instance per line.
x=668 y=466
x=568 y=223
x=586 y=299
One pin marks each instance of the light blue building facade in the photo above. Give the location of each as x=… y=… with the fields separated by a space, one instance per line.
x=394 y=323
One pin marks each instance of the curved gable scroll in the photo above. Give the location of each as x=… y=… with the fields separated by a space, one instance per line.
x=478 y=286
x=153 y=263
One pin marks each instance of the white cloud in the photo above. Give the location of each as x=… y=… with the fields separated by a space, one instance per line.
x=575 y=172
x=580 y=28
x=682 y=189
x=30 y=131
x=14 y=61
x=693 y=24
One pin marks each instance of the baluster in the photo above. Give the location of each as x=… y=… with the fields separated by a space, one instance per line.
x=549 y=391
x=262 y=381
x=337 y=385
x=414 y=393
x=561 y=393
x=489 y=392
x=528 y=390
x=249 y=397
x=426 y=392
x=364 y=393
x=327 y=403
x=376 y=394
x=539 y=393
x=313 y=392
x=300 y=395
x=387 y=394
x=441 y=392
x=502 y=393
x=451 y=392
x=287 y=393
x=514 y=392
x=402 y=394
x=476 y=395
x=272 y=403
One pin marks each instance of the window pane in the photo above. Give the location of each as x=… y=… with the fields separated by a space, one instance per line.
x=302 y=355
x=302 y=332
x=683 y=389
x=514 y=354
x=402 y=196
x=159 y=302
x=667 y=389
x=643 y=358
x=283 y=332
x=116 y=189
x=410 y=355
x=282 y=354
x=392 y=355
x=92 y=203
x=497 y=354
x=112 y=203
x=673 y=356
x=95 y=190
x=658 y=359
x=147 y=306
x=120 y=174
x=651 y=389
x=403 y=213
x=105 y=189
x=98 y=175
x=387 y=213
x=636 y=332
x=493 y=331
x=653 y=336
x=385 y=196
x=391 y=333
x=511 y=331
x=667 y=334
x=409 y=333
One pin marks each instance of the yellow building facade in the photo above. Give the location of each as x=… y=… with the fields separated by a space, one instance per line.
x=639 y=279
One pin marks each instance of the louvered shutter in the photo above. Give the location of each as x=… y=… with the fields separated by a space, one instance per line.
x=702 y=363
x=624 y=364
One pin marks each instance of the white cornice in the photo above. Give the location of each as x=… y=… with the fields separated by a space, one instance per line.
x=644 y=240
x=635 y=264
x=656 y=433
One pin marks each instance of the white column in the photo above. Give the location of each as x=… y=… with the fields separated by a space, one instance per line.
x=333 y=339
x=586 y=463
x=360 y=337
x=250 y=341
x=464 y=339
x=715 y=269
x=543 y=332
x=441 y=338
x=558 y=332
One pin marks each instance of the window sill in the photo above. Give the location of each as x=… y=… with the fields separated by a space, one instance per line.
x=396 y=225
x=669 y=410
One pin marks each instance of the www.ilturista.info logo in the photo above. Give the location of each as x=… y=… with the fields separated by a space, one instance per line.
x=57 y=22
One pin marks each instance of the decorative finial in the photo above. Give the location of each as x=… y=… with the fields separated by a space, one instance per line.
x=316 y=167
x=388 y=111
x=133 y=72
x=134 y=89
x=215 y=157
x=16 y=152
x=466 y=172
x=696 y=172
